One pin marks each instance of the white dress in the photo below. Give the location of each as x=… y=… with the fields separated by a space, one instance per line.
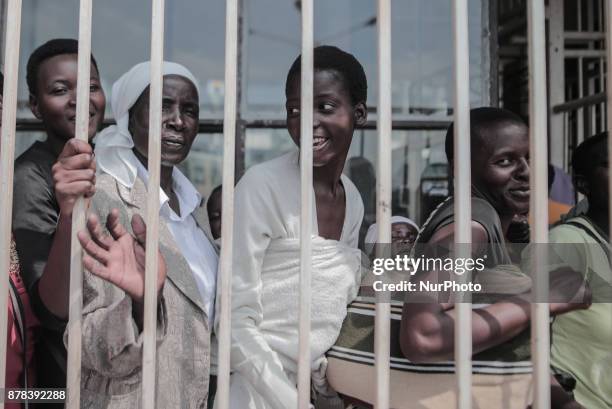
x=265 y=286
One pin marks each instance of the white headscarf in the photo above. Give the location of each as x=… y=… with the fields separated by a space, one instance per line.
x=114 y=144
x=372 y=235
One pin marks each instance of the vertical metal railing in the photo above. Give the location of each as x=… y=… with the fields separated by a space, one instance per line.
x=153 y=166
x=306 y=124
x=463 y=193
x=382 y=331
x=7 y=155
x=538 y=136
x=538 y=146
x=73 y=380
x=227 y=221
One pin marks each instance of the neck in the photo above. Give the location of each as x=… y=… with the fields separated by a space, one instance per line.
x=328 y=176
x=55 y=143
x=505 y=223
x=165 y=175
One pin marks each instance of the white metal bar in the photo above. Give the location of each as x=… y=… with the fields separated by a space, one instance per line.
x=462 y=202
x=7 y=156
x=73 y=381
x=557 y=77
x=382 y=331
x=306 y=123
x=540 y=336
x=227 y=216
x=608 y=25
x=580 y=111
x=151 y=264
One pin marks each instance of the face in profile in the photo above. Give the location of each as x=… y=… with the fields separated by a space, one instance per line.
x=213 y=207
x=334 y=117
x=180 y=116
x=403 y=236
x=56 y=95
x=595 y=185
x=500 y=167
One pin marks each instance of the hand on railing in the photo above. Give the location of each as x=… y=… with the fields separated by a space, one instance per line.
x=74 y=174
x=120 y=257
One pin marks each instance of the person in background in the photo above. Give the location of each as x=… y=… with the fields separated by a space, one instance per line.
x=22 y=325
x=214 y=209
x=404 y=232
x=48 y=180
x=580 y=352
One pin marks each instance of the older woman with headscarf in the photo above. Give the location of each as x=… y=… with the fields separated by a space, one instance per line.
x=404 y=232
x=112 y=308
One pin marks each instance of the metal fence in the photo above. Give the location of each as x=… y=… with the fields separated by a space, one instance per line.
x=463 y=343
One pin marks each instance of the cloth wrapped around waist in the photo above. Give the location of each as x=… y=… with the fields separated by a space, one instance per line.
x=336 y=276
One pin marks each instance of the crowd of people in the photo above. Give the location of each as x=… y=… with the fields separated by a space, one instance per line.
x=111 y=173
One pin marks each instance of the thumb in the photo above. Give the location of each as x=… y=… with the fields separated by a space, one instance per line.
x=140 y=229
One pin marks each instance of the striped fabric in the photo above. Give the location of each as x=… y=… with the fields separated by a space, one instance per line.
x=502 y=375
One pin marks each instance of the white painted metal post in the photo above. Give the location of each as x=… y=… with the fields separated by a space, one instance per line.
x=73 y=381
x=151 y=261
x=7 y=156
x=463 y=202
x=227 y=217
x=382 y=330
x=556 y=57
x=540 y=336
x=306 y=123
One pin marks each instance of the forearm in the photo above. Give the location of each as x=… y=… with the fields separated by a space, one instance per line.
x=54 y=284
x=428 y=335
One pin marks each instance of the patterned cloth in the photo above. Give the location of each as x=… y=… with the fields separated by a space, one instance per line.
x=15 y=343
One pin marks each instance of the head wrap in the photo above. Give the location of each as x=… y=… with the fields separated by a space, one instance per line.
x=372 y=235
x=114 y=144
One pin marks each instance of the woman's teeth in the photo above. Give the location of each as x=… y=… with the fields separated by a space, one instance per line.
x=317 y=142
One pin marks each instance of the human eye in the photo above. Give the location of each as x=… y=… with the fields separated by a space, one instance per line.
x=504 y=162
x=192 y=111
x=59 y=90
x=326 y=107
x=293 y=111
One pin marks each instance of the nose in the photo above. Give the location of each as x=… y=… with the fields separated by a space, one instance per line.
x=73 y=99
x=175 y=120
x=522 y=171
x=316 y=120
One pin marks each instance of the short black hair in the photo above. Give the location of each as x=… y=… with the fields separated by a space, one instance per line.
x=481 y=119
x=588 y=155
x=50 y=49
x=327 y=57
x=1 y=83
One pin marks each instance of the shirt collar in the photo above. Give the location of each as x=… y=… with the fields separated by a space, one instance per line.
x=189 y=198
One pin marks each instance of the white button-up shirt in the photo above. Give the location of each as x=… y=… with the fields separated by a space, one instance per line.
x=190 y=239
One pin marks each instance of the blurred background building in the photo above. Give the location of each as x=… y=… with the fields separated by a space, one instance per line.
x=421 y=65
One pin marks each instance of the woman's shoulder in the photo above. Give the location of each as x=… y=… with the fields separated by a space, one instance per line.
x=275 y=172
x=34 y=165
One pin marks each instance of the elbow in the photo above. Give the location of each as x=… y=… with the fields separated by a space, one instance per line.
x=421 y=347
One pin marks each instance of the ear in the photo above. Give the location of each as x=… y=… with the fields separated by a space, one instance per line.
x=582 y=184
x=34 y=106
x=361 y=114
